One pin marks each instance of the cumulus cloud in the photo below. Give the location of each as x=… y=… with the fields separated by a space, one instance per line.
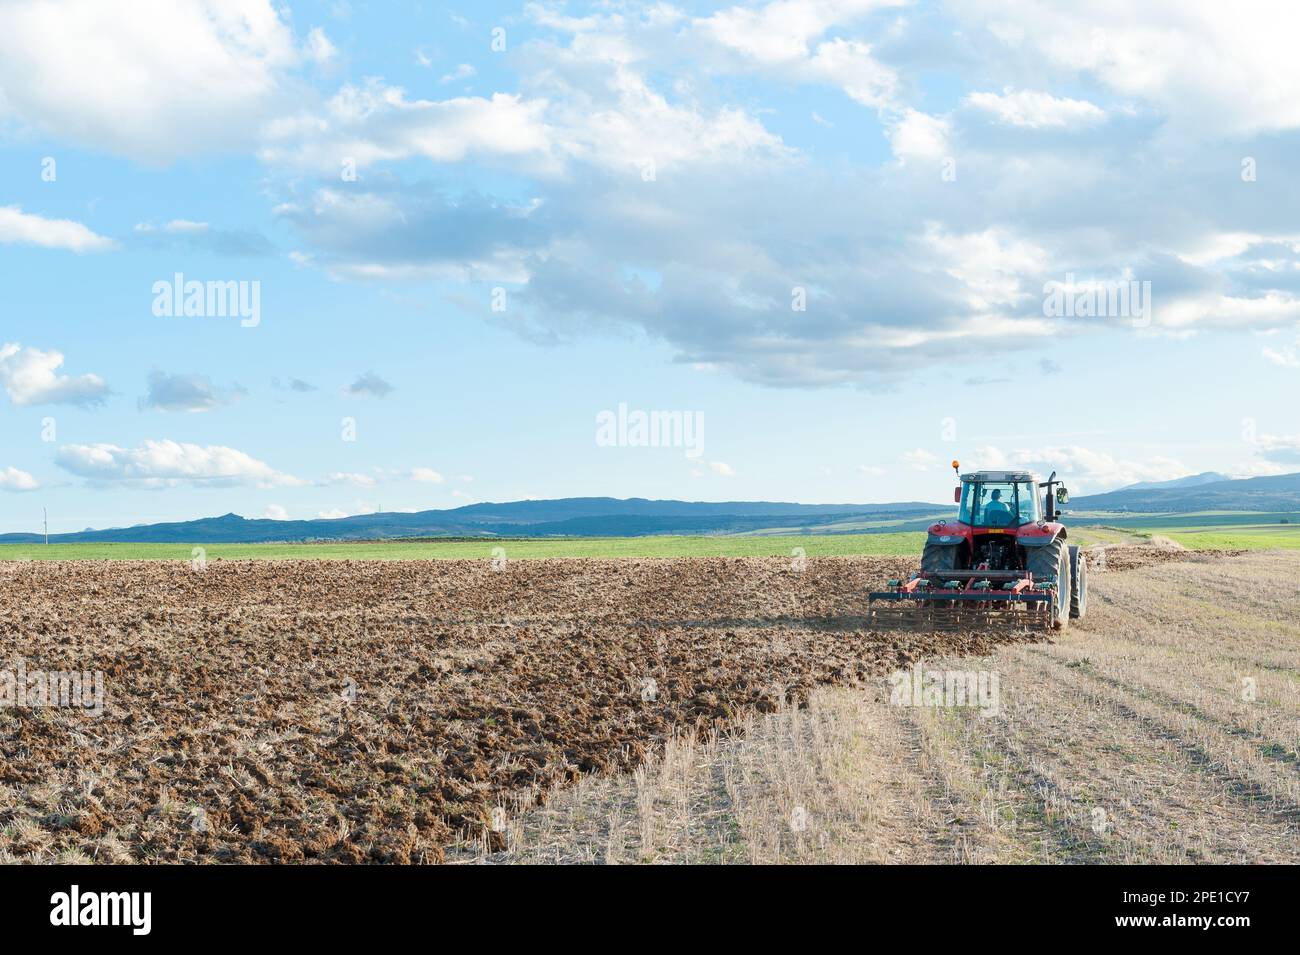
x=426 y=476
x=633 y=212
x=319 y=47
x=781 y=38
x=174 y=78
x=31 y=377
x=369 y=385
x=186 y=393
x=166 y=463
x=1085 y=470
x=275 y=512
x=1210 y=68
x=1036 y=109
x=386 y=233
x=12 y=479
x=920 y=137
x=375 y=122
x=22 y=228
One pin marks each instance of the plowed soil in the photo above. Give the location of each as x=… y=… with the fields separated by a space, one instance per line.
x=375 y=711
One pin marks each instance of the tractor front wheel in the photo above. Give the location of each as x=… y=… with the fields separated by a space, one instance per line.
x=1053 y=560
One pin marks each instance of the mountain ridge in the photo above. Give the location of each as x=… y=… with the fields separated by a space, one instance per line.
x=561 y=517
x=636 y=517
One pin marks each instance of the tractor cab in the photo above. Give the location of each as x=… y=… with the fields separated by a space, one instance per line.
x=998 y=499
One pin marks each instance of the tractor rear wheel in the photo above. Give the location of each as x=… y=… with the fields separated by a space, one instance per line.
x=936 y=558
x=1079 y=581
x=1053 y=560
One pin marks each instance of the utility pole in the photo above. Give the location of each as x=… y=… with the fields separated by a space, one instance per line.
x=46 y=512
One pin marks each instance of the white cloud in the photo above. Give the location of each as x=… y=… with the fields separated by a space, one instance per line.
x=1214 y=309
x=871 y=470
x=995 y=267
x=462 y=72
x=849 y=65
x=276 y=512
x=919 y=137
x=332 y=514
x=426 y=476
x=722 y=469
x=1287 y=356
x=31 y=377
x=631 y=124
x=1212 y=68
x=12 y=479
x=1257 y=467
x=1035 y=109
x=690 y=260
x=319 y=47
x=374 y=123
x=23 y=228
x=782 y=31
x=169 y=78
x=168 y=463
x=1084 y=470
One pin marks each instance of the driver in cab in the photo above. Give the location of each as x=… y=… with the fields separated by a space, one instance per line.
x=996 y=513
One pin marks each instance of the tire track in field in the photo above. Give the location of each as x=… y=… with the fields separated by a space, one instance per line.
x=1250 y=792
x=1268 y=748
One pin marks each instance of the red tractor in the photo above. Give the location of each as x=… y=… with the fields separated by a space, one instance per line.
x=1004 y=559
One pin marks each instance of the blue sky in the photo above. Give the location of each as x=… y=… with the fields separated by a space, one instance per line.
x=474 y=228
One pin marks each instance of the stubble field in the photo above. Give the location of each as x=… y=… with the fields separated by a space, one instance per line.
x=359 y=711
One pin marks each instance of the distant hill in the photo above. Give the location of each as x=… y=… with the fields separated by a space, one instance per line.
x=569 y=517
x=1279 y=492
x=638 y=517
x=1192 y=480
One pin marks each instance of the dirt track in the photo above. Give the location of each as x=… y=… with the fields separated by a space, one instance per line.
x=367 y=711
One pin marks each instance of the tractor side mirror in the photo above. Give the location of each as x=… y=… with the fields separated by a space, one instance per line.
x=1062 y=496
x=956 y=495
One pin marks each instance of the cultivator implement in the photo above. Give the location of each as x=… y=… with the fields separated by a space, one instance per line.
x=965 y=600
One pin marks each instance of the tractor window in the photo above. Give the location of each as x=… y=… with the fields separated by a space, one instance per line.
x=1028 y=499
x=998 y=504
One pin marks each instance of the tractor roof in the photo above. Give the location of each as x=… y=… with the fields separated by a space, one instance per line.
x=997 y=476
